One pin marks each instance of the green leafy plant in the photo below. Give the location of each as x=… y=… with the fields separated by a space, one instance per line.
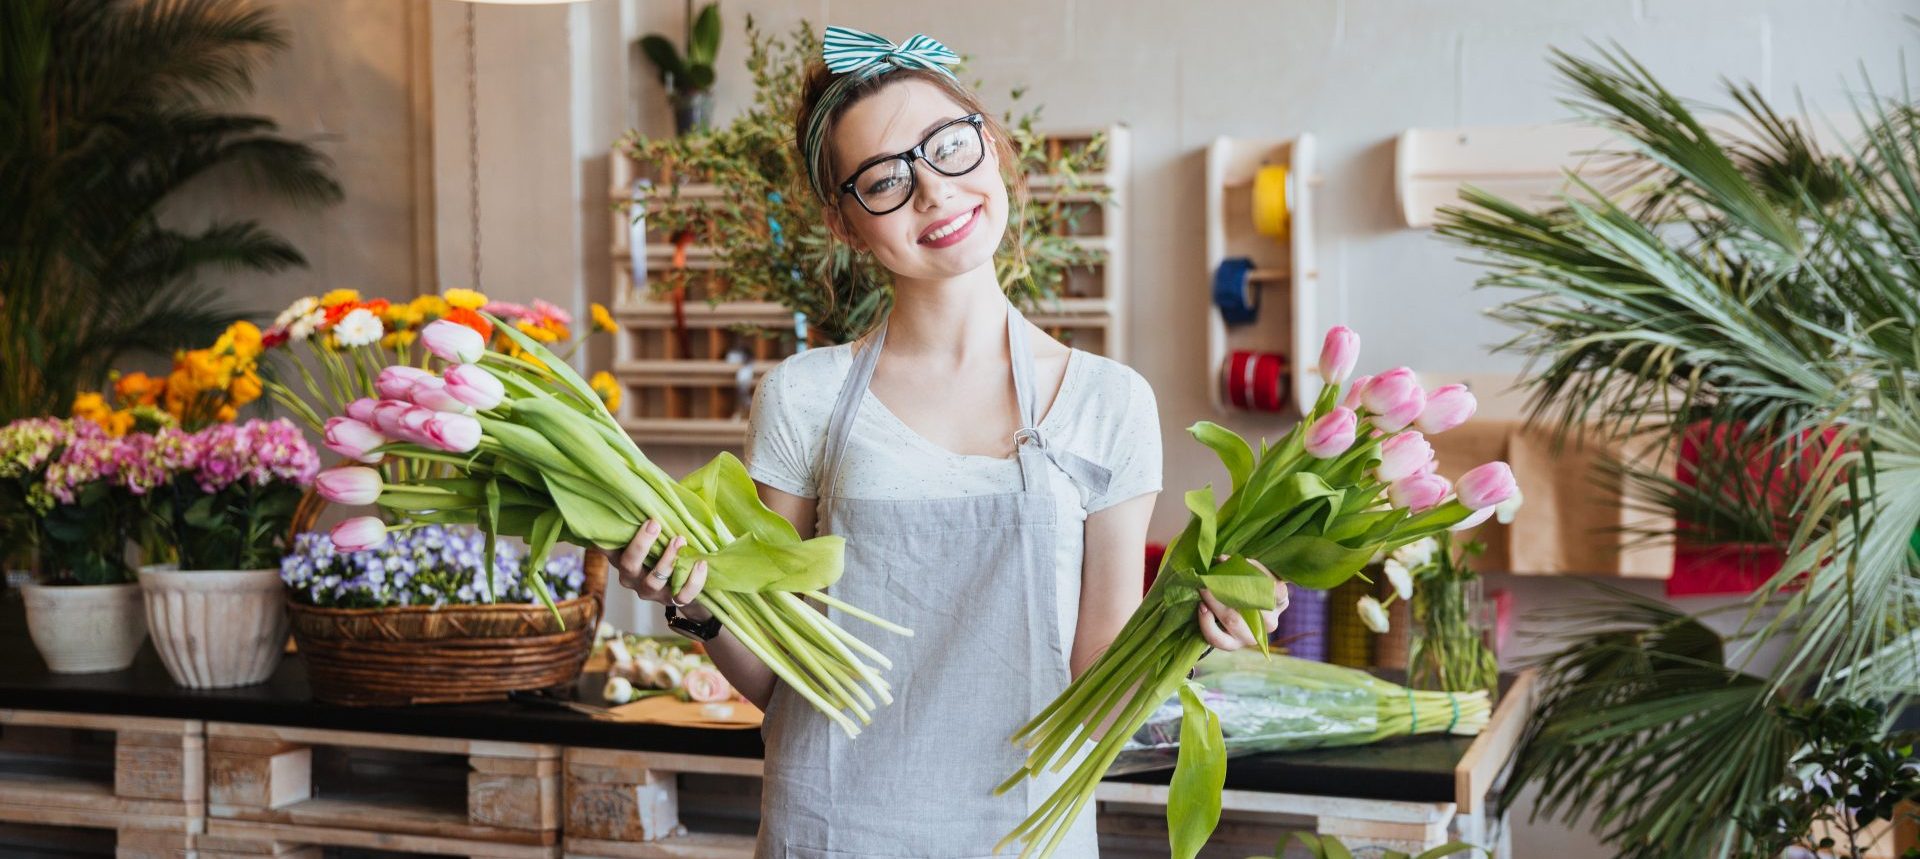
x=108 y=111
x=1749 y=288
x=1850 y=777
x=693 y=72
x=766 y=229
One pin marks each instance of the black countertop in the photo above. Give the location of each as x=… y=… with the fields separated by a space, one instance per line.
x=1410 y=768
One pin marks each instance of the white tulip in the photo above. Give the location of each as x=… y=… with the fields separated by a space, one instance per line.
x=1373 y=614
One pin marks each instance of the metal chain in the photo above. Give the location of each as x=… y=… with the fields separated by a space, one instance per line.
x=473 y=146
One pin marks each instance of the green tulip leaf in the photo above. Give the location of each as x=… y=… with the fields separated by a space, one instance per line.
x=1193 y=795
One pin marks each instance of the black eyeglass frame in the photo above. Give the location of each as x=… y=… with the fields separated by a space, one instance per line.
x=977 y=120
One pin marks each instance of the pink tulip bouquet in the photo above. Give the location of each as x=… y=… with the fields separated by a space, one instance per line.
x=538 y=456
x=1355 y=478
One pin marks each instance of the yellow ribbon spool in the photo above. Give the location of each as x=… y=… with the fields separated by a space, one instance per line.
x=1270 y=202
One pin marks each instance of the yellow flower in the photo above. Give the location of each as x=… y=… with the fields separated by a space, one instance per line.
x=245 y=388
x=513 y=350
x=117 y=423
x=429 y=307
x=398 y=339
x=92 y=406
x=607 y=387
x=467 y=298
x=539 y=333
x=205 y=370
x=339 y=296
x=399 y=316
x=603 y=320
x=242 y=339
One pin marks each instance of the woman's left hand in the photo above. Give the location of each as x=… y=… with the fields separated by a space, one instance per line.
x=1226 y=629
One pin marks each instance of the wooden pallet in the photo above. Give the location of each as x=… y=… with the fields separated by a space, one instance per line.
x=292 y=789
x=626 y=805
x=691 y=386
x=146 y=782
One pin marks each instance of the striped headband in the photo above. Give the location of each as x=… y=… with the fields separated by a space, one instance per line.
x=856 y=56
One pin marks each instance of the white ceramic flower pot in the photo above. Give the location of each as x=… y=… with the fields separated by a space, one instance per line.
x=216 y=628
x=81 y=629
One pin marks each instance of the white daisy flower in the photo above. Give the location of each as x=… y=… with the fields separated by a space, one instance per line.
x=304 y=327
x=359 y=328
x=296 y=310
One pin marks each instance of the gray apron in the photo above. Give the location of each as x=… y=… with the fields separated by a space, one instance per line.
x=973 y=577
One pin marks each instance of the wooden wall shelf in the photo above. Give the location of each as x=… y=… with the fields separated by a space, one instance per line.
x=1285 y=266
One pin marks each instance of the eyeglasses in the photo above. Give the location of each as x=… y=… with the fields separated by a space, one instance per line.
x=953 y=149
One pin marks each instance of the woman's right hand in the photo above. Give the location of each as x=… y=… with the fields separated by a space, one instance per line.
x=651 y=584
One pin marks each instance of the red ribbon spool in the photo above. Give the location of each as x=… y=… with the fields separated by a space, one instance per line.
x=1255 y=381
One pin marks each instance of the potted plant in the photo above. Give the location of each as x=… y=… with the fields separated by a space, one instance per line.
x=128 y=103
x=220 y=518
x=689 y=79
x=65 y=510
x=770 y=239
x=1753 y=293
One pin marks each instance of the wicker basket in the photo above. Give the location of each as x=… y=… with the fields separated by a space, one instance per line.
x=452 y=654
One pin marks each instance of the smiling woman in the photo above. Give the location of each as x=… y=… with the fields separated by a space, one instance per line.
x=1005 y=523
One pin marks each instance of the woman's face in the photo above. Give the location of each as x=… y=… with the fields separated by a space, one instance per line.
x=949 y=225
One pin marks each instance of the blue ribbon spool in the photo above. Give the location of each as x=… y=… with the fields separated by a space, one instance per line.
x=1235 y=292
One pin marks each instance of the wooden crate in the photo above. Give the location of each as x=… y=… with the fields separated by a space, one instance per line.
x=141 y=777
x=682 y=389
x=276 y=788
x=626 y=805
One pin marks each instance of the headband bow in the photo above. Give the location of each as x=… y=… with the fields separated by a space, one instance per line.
x=849 y=50
x=857 y=56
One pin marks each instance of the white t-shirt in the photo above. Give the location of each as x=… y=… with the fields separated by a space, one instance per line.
x=1104 y=411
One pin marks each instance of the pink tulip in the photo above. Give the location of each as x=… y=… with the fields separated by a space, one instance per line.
x=386 y=417
x=1447 y=407
x=413 y=424
x=453 y=342
x=1395 y=398
x=706 y=685
x=362 y=410
x=1338 y=353
x=353 y=485
x=474 y=386
x=359 y=534
x=432 y=393
x=1419 y=492
x=1354 y=389
x=1474 y=519
x=394 y=382
x=1332 y=434
x=1486 y=485
x=451 y=433
x=353 y=439
x=1404 y=454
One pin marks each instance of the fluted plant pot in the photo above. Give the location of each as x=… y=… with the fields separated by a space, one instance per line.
x=83 y=629
x=216 y=628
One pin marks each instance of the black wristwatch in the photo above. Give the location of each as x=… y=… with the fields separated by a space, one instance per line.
x=704 y=630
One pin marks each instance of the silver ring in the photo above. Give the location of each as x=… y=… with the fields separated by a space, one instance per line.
x=662 y=575
x=676 y=603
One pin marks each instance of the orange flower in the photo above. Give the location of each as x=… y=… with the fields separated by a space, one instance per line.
x=241 y=339
x=118 y=423
x=337 y=312
x=245 y=389
x=475 y=321
x=226 y=414
x=92 y=406
x=137 y=389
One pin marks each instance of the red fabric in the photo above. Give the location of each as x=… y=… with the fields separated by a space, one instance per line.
x=1704 y=569
x=1154 y=553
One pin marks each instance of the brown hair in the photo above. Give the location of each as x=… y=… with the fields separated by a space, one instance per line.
x=813 y=87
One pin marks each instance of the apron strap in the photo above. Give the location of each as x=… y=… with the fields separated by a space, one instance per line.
x=1029 y=443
